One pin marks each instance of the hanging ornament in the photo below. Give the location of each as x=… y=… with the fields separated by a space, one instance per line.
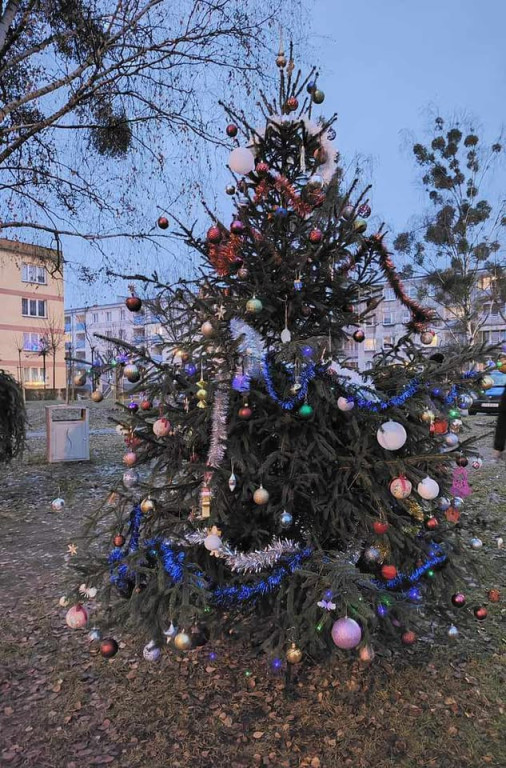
x=360 y=226
x=380 y=527
x=212 y=542
x=486 y=382
x=318 y=96
x=201 y=395
x=261 y=496
x=162 y=427
x=440 y=426
x=243 y=273
x=132 y=373
x=133 y=303
x=443 y=503
x=131 y=478
x=286 y=336
x=453 y=632
x=182 y=641
x=464 y=401
x=285 y=519
x=345 y=403
x=294 y=654
x=130 y=458
x=94 y=634
x=232 y=482
x=458 y=600
x=305 y=410
x=315 y=236
x=346 y=633
x=348 y=212
x=213 y=235
x=364 y=210
x=462 y=461
x=262 y=168
x=431 y=523
x=77 y=617
x=118 y=540
x=391 y=436
x=372 y=555
x=133 y=406
x=297 y=284
x=452 y=515
x=291 y=104
x=408 y=638
x=494 y=595
x=205 y=501
x=241 y=160
x=207 y=329
x=163 y=222
x=97 y=396
x=109 y=647
x=451 y=440
x=254 y=306
x=245 y=412
x=231 y=130
x=400 y=487
x=477 y=462
x=427 y=416
x=359 y=336
x=366 y=654
x=427 y=488
x=237 y=227
x=475 y=543
x=460 y=485
x=427 y=337
x=151 y=652
x=230 y=189
x=79 y=379
x=480 y=612
x=146 y=405
x=388 y=572
x=456 y=425
x=147 y=506
x=58 y=504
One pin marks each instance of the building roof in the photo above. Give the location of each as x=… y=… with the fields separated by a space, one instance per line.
x=19 y=248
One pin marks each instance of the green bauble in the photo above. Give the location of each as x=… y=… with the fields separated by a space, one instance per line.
x=306 y=411
x=318 y=96
x=254 y=306
x=359 y=225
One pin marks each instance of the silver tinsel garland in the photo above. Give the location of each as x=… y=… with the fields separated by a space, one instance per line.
x=248 y=562
x=218 y=444
x=251 y=345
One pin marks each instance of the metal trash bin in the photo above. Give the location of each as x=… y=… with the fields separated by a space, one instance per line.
x=67 y=430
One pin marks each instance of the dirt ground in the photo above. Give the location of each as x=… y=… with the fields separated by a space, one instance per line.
x=64 y=707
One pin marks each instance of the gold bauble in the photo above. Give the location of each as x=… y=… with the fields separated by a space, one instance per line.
x=294 y=654
x=201 y=394
x=207 y=329
x=261 y=496
x=97 y=396
x=202 y=404
x=147 y=505
x=427 y=416
x=182 y=641
x=366 y=653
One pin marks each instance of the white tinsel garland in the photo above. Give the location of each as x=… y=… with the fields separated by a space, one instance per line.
x=218 y=444
x=248 y=562
x=251 y=346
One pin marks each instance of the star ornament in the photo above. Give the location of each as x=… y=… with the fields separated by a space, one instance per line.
x=72 y=549
x=220 y=312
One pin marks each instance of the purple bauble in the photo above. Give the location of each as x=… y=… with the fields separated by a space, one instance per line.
x=307 y=351
x=346 y=633
x=133 y=407
x=240 y=382
x=190 y=369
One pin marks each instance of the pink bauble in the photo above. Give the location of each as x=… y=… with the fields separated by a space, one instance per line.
x=161 y=427
x=130 y=458
x=77 y=617
x=400 y=487
x=346 y=633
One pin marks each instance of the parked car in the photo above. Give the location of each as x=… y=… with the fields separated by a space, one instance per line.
x=488 y=401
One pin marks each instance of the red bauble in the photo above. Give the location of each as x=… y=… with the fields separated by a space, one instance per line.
x=359 y=336
x=133 y=303
x=109 y=647
x=163 y=222
x=231 y=130
x=118 y=540
x=409 y=638
x=213 y=235
x=349 y=308
x=432 y=523
x=458 y=600
x=388 y=572
x=237 y=227
x=146 y=405
x=494 y=595
x=245 y=412
x=315 y=236
x=262 y=168
x=480 y=612
x=380 y=526
x=462 y=461
x=292 y=103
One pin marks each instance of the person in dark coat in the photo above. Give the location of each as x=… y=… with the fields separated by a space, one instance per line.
x=500 y=427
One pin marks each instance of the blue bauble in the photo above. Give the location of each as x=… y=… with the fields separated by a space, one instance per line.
x=286 y=519
x=414 y=595
x=382 y=610
x=190 y=369
x=310 y=86
x=436 y=392
x=307 y=351
x=281 y=212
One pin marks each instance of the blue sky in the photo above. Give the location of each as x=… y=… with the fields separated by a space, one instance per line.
x=388 y=67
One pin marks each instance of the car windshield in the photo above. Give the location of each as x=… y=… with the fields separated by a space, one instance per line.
x=499 y=378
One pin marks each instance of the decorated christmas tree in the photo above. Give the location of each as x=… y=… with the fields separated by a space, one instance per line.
x=269 y=488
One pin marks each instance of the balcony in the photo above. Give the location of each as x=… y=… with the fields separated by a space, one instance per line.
x=80 y=344
x=80 y=327
x=139 y=319
x=68 y=327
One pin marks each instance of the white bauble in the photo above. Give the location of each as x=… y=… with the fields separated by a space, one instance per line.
x=391 y=435
x=345 y=404
x=428 y=488
x=212 y=542
x=241 y=160
x=57 y=504
x=161 y=427
x=151 y=652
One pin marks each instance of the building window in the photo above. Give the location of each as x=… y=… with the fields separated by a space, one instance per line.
x=388 y=318
x=370 y=345
x=33 y=308
x=108 y=316
x=95 y=317
x=371 y=320
x=80 y=355
x=31 y=342
x=406 y=317
x=34 y=375
x=412 y=291
x=121 y=333
x=122 y=314
x=31 y=273
x=388 y=341
x=389 y=294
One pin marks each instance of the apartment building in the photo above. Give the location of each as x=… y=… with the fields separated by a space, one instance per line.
x=117 y=324
x=32 y=345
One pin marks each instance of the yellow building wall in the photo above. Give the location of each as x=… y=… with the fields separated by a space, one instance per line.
x=20 y=333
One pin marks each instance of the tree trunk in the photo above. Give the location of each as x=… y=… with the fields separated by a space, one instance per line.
x=6 y=20
x=54 y=370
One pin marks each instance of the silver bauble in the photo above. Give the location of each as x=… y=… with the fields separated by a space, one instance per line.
x=130 y=478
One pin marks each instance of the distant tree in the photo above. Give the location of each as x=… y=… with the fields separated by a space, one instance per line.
x=54 y=335
x=87 y=83
x=459 y=245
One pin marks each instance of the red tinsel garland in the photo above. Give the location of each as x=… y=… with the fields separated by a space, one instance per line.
x=224 y=254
